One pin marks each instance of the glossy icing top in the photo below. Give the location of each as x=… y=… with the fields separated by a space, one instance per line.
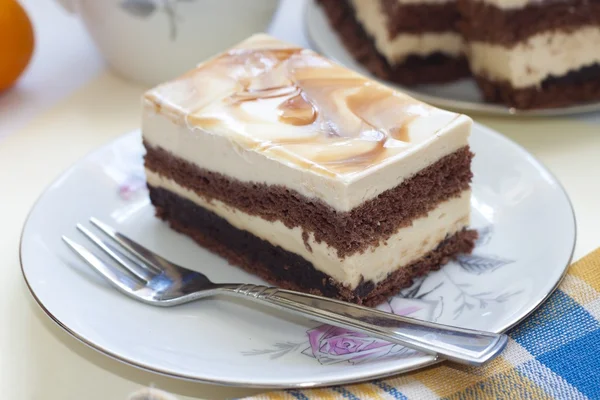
x=297 y=107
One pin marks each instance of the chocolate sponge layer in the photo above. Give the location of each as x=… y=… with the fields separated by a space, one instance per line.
x=348 y=232
x=487 y=23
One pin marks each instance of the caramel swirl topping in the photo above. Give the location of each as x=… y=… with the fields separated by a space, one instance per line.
x=292 y=103
x=297 y=111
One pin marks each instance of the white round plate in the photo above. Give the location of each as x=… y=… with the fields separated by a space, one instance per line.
x=462 y=95
x=527 y=234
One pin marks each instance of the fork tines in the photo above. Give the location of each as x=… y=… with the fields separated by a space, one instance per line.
x=136 y=265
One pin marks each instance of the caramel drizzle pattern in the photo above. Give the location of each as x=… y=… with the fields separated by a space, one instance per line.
x=298 y=109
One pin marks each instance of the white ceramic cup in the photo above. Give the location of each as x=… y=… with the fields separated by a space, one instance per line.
x=151 y=41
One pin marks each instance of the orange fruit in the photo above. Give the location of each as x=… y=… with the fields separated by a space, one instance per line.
x=16 y=42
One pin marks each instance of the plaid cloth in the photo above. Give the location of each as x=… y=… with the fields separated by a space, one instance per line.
x=553 y=354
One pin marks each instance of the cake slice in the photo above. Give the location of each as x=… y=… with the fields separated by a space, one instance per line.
x=534 y=54
x=405 y=41
x=307 y=174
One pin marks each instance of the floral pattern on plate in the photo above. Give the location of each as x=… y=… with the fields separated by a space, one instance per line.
x=423 y=300
x=330 y=344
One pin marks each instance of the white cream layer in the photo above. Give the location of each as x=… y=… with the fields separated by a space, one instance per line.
x=221 y=154
x=402 y=248
x=415 y=2
x=516 y=4
x=397 y=49
x=529 y=62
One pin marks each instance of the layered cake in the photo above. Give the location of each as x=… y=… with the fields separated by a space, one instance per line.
x=534 y=53
x=307 y=174
x=523 y=53
x=405 y=41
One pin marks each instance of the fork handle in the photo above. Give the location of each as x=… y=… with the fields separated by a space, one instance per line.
x=464 y=346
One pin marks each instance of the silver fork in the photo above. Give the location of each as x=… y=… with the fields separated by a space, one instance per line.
x=151 y=279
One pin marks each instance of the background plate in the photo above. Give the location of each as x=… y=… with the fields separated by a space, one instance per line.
x=462 y=95
x=527 y=236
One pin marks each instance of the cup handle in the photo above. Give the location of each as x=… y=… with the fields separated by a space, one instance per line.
x=69 y=5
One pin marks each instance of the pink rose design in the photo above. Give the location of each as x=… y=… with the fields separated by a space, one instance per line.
x=330 y=344
x=132 y=185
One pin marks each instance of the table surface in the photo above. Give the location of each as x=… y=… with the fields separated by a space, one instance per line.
x=67 y=104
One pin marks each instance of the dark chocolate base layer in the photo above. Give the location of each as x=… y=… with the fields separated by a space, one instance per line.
x=283 y=268
x=436 y=68
x=578 y=86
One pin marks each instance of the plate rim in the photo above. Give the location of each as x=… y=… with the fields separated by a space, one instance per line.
x=303 y=385
x=489 y=109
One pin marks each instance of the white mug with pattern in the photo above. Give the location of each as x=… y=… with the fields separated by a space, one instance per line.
x=151 y=41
